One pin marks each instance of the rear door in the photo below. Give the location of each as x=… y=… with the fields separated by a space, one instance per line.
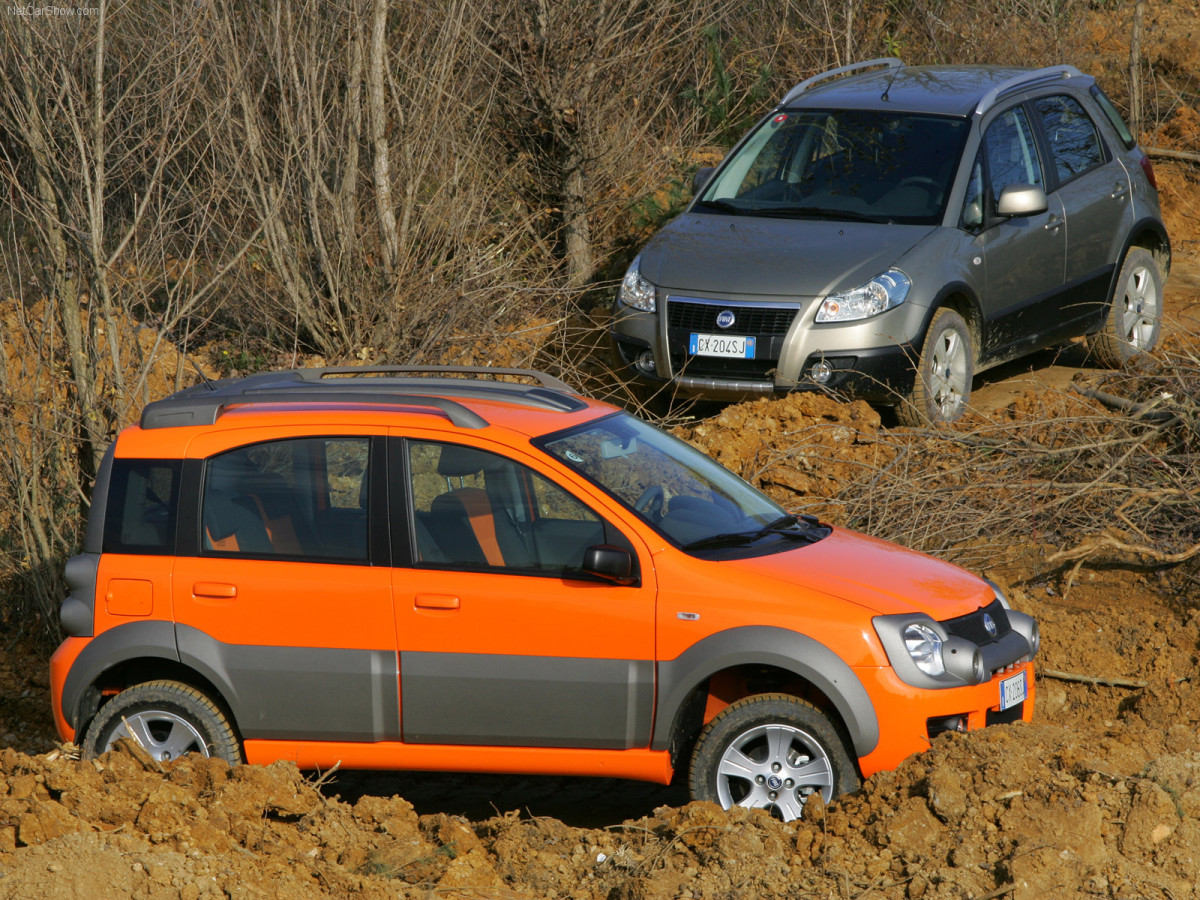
x=280 y=594
x=1094 y=189
x=503 y=640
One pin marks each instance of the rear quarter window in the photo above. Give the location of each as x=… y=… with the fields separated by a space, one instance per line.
x=143 y=503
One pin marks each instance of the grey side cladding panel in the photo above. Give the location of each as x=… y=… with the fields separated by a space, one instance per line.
x=526 y=701
x=765 y=646
x=300 y=693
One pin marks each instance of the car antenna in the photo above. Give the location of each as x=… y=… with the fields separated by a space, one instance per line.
x=896 y=71
x=166 y=332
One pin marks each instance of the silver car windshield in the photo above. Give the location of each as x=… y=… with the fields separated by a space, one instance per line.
x=856 y=165
x=689 y=498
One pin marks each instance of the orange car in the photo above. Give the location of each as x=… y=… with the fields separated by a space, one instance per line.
x=399 y=569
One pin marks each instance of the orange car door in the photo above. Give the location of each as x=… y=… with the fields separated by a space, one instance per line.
x=277 y=596
x=503 y=640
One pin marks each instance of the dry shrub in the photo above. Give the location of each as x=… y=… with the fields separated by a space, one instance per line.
x=1105 y=475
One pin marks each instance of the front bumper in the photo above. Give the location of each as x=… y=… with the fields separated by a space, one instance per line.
x=874 y=359
x=909 y=714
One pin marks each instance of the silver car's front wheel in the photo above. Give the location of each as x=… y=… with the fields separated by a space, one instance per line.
x=772 y=752
x=942 y=384
x=1135 y=313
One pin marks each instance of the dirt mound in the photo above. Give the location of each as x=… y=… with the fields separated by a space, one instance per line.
x=799 y=449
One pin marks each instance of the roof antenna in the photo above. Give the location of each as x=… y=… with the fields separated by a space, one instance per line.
x=896 y=71
x=165 y=332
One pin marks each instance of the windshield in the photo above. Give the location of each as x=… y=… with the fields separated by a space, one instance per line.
x=689 y=498
x=853 y=165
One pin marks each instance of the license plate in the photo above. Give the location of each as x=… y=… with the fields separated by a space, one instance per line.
x=1012 y=691
x=730 y=345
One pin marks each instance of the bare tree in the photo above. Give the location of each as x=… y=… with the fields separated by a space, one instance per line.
x=101 y=153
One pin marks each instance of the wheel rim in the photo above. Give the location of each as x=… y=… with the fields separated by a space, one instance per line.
x=164 y=735
x=948 y=374
x=774 y=767
x=1139 y=313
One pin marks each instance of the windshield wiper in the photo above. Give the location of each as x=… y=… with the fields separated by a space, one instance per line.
x=784 y=525
x=817 y=212
x=723 y=206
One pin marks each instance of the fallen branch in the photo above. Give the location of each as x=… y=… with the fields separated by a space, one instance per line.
x=1106 y=541
x=1137 y=410
x=1163 y=153
x=1107 y=681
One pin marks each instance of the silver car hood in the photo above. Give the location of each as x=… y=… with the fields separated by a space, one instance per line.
x=745 y=255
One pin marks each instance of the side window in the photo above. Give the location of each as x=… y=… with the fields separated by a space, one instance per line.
x=143 y=501
x=1011 y=154
x=1074 y=143
x=473 y=508
x=304 y=498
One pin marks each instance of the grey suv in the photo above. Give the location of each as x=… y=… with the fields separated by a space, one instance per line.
x=888 y=231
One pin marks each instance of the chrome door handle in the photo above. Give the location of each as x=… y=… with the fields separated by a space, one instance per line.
x=1054 y=224
x=1119 y=191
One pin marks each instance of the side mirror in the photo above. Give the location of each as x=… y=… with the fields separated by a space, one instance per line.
x=701 y=178
x=610 y=563
x=1021 y=200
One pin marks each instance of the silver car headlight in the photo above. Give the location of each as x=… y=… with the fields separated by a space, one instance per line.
x=924 y=645
x=878 y=295
x=635 y=291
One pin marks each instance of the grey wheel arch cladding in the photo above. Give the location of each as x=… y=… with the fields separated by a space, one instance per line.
x=762 y=645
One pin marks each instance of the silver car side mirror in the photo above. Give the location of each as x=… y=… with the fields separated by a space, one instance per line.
x=1021 y=200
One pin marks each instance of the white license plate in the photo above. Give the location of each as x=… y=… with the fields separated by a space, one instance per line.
x=730 y=345
x=1012 y=691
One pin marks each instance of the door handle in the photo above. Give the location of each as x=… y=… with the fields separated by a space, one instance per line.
x=1119 y=191
x=1054 y=224
x=214 y=590
x=435 y=601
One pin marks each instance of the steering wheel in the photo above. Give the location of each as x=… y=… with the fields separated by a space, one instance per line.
x=650 y=503
x=923 y=181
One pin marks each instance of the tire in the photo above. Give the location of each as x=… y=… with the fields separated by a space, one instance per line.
x=766 y=737
x=168 y=719
x=1134 y=315
x=942 y=385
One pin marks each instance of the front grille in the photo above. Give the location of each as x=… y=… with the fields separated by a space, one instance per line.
x=756 y=320
x=971 y=625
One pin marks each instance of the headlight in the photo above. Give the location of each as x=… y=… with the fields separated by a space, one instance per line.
x=878 y=295
x=636 y=291
x=924 y=645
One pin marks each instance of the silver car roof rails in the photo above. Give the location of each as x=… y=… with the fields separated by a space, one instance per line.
x=887 y=62
x=1024 y=81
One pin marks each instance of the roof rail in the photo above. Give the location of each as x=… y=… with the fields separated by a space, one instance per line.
x=887 y=62
x=203 y=404
x=542 y=378
x=1024 y=81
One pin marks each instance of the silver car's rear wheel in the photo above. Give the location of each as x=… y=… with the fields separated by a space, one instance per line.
x=1135 y=314
x=943 y=379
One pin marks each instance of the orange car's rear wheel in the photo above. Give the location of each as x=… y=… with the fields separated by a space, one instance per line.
x=167 y=719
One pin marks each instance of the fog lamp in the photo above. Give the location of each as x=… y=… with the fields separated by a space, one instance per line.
x=821 y=372
x=645 y=363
